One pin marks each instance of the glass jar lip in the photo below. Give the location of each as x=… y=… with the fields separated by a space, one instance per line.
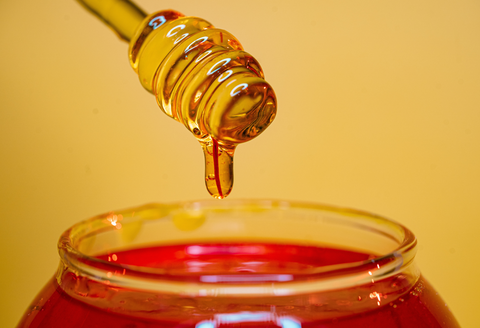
x=328 y=277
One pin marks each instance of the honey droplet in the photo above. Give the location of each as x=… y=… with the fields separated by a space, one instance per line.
x=218 y=168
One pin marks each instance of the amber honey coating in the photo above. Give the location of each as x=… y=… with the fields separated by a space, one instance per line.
x=147 y=26
x=201 y=77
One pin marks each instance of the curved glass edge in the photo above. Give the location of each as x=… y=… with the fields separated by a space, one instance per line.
x=334 y=277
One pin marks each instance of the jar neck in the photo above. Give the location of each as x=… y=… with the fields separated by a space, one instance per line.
x=362 y=285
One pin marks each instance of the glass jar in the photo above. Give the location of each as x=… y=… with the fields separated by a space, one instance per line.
x=245 y=263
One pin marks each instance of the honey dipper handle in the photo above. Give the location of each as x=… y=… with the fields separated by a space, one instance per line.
x=123 y=16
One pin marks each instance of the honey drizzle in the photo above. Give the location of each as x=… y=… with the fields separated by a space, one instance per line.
x=216 y=170
x=200 y=77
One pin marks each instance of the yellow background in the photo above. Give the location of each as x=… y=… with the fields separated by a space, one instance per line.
x=379 y=109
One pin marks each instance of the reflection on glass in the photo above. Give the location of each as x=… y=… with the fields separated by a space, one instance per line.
x=214 y=68
x=235 y=91
x=170 y=33
x=196 y=42
x=157 y=22
x=249 y=317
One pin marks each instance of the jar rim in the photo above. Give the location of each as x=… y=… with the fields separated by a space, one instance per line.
x=324 y=278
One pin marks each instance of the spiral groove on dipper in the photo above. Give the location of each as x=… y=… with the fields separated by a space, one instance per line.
x=202 y=78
